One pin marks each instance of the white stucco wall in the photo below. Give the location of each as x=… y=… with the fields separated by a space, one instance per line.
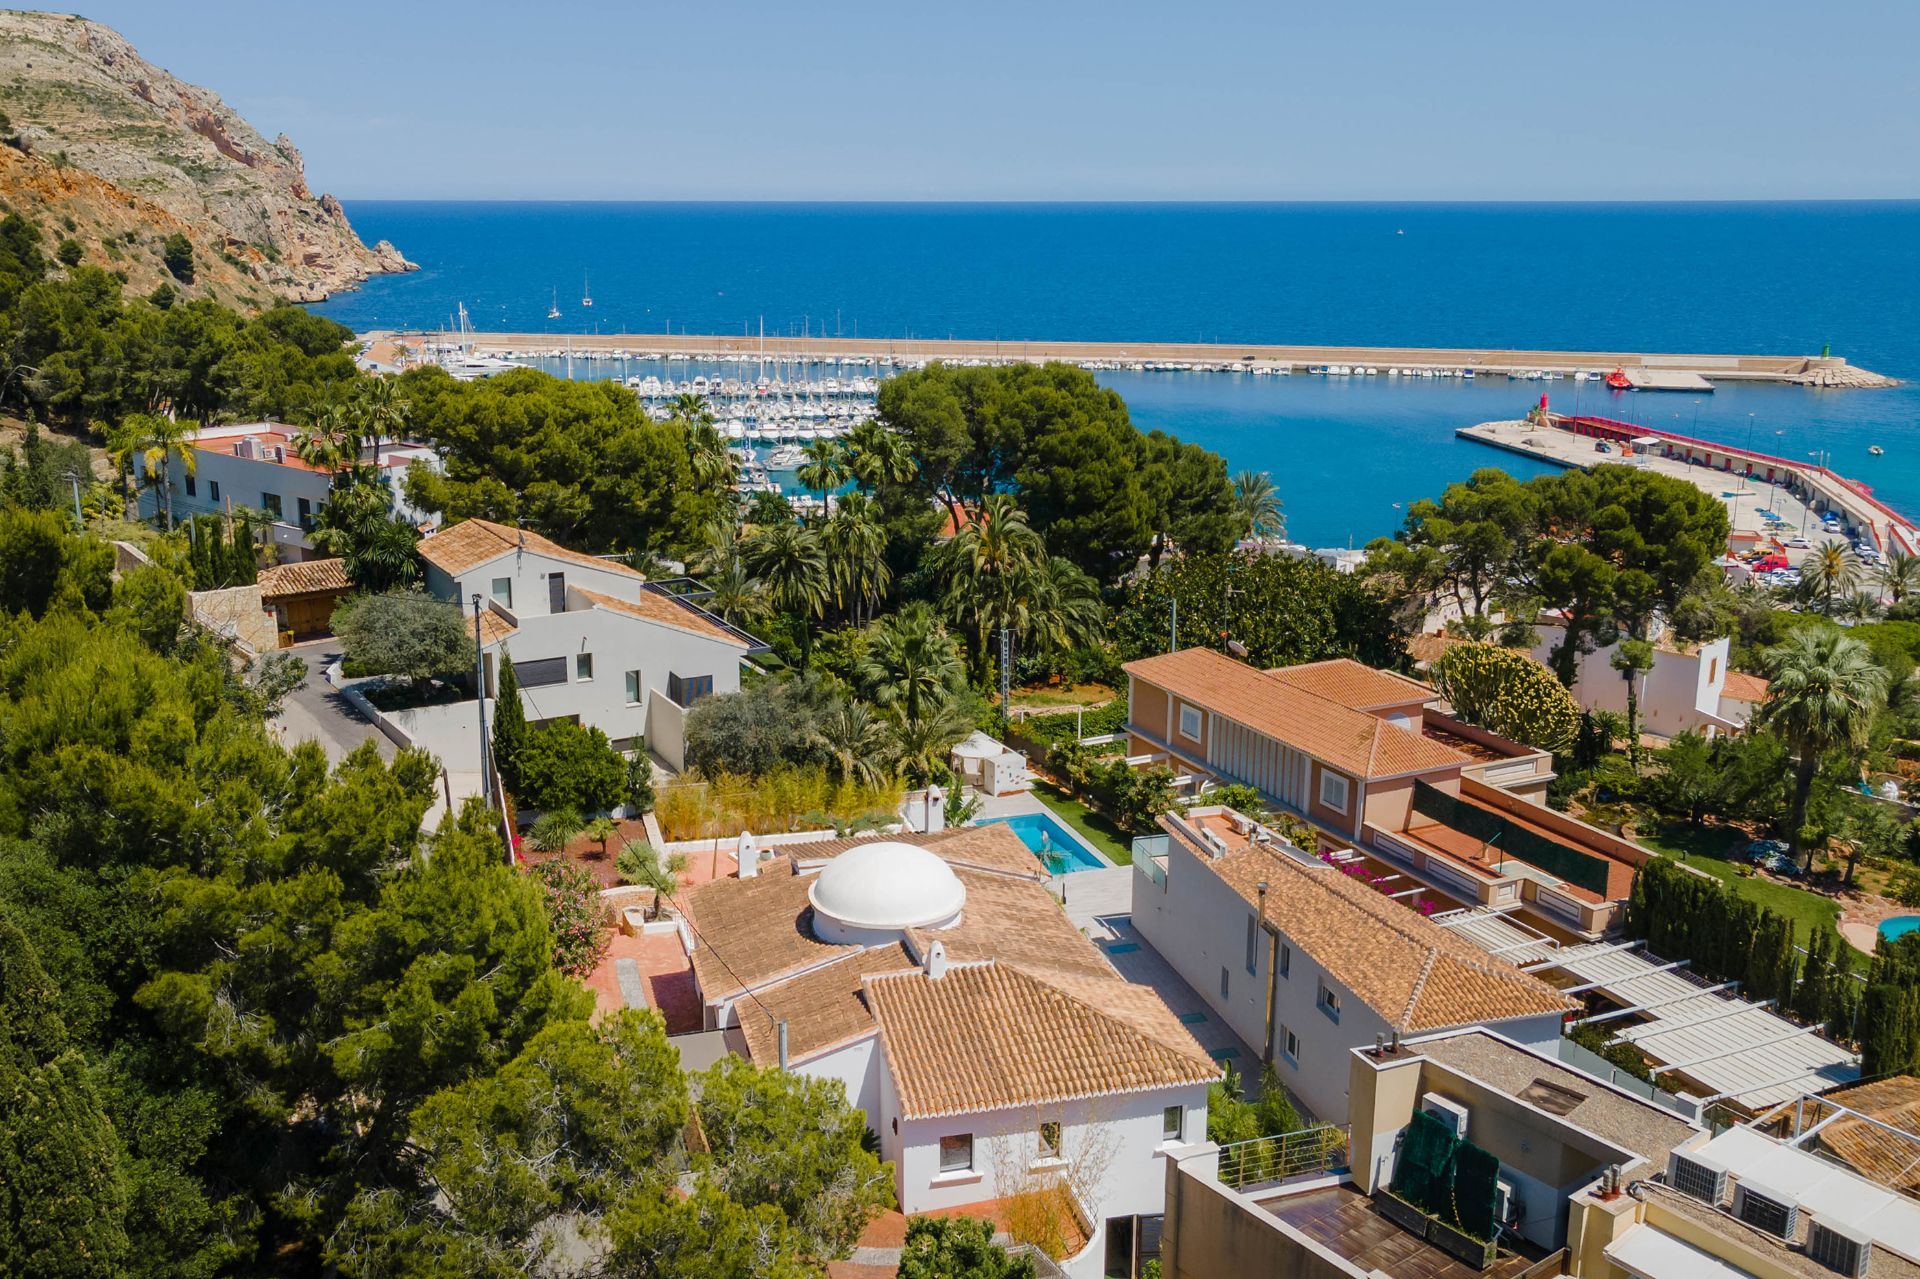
x=223 y=480
x=1681 y=692
x=857 y=1066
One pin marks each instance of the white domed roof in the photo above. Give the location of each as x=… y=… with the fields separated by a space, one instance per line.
x=887 y=885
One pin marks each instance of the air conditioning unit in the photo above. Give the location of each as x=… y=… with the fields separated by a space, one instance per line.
x=1697 y=1177
x=1840 y=1247
x=1448 y=1112
x=1767 y=1210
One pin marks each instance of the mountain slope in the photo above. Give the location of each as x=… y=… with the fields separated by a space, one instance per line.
x=163 y=156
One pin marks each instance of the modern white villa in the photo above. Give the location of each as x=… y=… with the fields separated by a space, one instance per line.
x=1307 y=962
x=253 y=465
x=590 y=639
x=992 y=1047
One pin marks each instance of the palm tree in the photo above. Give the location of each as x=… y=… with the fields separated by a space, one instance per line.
x=919 y=748
x=692 y=409
x=789 y=561
x=378 y=412
x=1825 y=690
x=879 y=456
x=911 y=662
x=1832 y=570
x=1861 y=606
x=736 y=594
x=1259 y=504
x=854 y=740
x=158 y=441
x=709 y=458
x=122 y=441
x=601 y=831
x=552 y=831
x=855 y=543
x=331 y=442
x=827 y=466
x=990 y=569
x=1901 y=574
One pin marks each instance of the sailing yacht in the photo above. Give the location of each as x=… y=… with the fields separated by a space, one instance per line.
x=586 y=294
x=553 y=312
x=466 y=363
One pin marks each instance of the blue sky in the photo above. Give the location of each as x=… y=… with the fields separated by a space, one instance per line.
x=737 y=99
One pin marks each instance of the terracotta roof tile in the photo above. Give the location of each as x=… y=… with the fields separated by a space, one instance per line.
x=653 y=607
x=1414 y=973
x=1742 y=687
x=993 y=1037
x=1353 y=684
x=751 y=931
x=308 y=577
x=1350 y=740
x=471 y=543
x=493 y=628
x=824 y=1009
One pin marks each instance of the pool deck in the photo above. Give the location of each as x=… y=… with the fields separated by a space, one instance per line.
x=1025 y=803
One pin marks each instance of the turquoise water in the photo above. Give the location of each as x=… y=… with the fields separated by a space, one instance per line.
x=1058 y=849
x=1721 y=278
x=1899 y=926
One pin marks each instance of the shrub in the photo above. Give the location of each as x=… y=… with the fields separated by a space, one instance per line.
x=1133 y=798
x=1507 y=692
x=566 y=766
x=957 y=1248
x=404 y=633
x=70 y=251
x=639 y=781
x=177 y=253
x=579 y=923
x=752 y=731
x=780 y=800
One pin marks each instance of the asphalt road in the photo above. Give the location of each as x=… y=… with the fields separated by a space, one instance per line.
x=319 y=712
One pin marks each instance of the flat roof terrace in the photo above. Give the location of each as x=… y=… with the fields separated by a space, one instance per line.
x=1345 y=1221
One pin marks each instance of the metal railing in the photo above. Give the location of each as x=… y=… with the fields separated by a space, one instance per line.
x=1308 y=1152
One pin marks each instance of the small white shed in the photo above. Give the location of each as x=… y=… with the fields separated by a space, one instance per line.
x=990 y=767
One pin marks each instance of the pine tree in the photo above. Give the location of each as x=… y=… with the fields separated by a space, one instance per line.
x=509 y=725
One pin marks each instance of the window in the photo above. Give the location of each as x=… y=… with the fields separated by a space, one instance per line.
x=189 y=483
x=633 y=688
x=583 y=666
x=306 y=513
x=1253 y=942
x=1329 y=1002
x=270 y=503
x=1713 y=664
x=1050 y=1139
x=538 y=674
x=213 y=491
x=1290 y=1045
x=685 y=690
x=503 y=591
x=1173 y=1123
x=1286 y=959
x=1223 y=983
x=956 y=1153
x=556 y=592
x=1333 y=791
x=1190 y=722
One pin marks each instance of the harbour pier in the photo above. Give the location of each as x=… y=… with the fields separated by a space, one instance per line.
x=1253 y=357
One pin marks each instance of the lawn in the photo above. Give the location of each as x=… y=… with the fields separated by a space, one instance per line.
x=1094 y=828
x=1709 y=849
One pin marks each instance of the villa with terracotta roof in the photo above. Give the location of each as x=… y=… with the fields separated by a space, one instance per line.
x=590 y=638
x=990 y=1044
x=1307 y=961
x=1371 y=759
x=254 y=465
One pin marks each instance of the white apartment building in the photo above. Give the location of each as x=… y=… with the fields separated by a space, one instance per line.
x=590 y=639
x=1306 y=962
x=991 y=1046
x=253 y=465
x=1689 y=687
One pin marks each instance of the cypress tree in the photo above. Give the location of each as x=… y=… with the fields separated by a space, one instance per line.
x=509 y=725
x=242 y=568
x=1843 y=1008
x=1889 y=1030
x=1812 y=998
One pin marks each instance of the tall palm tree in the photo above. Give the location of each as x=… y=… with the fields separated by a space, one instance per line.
x=878 y=456
x=1861 y=606
x=855 y=542
x=709 y=458
x=918 y=748
x=379 y=412
x=1900 y=576
x=911 y=662
x=1259 y=504
x=854 y=739
x=1832 y=570
x=692 y=409
x=736 y=595
x=159 y=441
x=788 y=560
x=1825 y=690
x=331 y=441
x=122 y=441
x=826 y=468
x=990 y=570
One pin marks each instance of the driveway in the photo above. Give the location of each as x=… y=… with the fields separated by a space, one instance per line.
x=318 y=711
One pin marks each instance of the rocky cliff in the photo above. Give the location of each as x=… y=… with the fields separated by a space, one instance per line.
x=113 y=152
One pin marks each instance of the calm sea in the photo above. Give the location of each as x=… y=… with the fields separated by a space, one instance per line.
x=1715 y=278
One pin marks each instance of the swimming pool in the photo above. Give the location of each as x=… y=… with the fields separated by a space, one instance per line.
x=1058 y=849
x=1899 y=926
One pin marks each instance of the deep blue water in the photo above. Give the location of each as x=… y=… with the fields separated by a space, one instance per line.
x=1776 y=278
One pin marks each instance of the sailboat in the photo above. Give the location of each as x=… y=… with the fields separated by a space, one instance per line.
x=586 y=294
x=553 y=312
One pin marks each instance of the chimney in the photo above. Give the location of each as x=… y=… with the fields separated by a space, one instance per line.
x=747 y=853
x=936 y=962
x=936 y=808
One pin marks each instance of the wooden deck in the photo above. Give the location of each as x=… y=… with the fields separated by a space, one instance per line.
x=1343 y=1220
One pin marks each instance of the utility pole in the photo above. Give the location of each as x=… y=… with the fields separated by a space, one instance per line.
x=480 y=700
x=1173 y=625
x=1006 y=675
x=73 y=478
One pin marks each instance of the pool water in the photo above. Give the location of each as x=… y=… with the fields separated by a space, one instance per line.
x=1899 y=926
x=1057 y=848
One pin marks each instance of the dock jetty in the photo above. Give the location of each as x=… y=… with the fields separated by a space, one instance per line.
x=1653 y=368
